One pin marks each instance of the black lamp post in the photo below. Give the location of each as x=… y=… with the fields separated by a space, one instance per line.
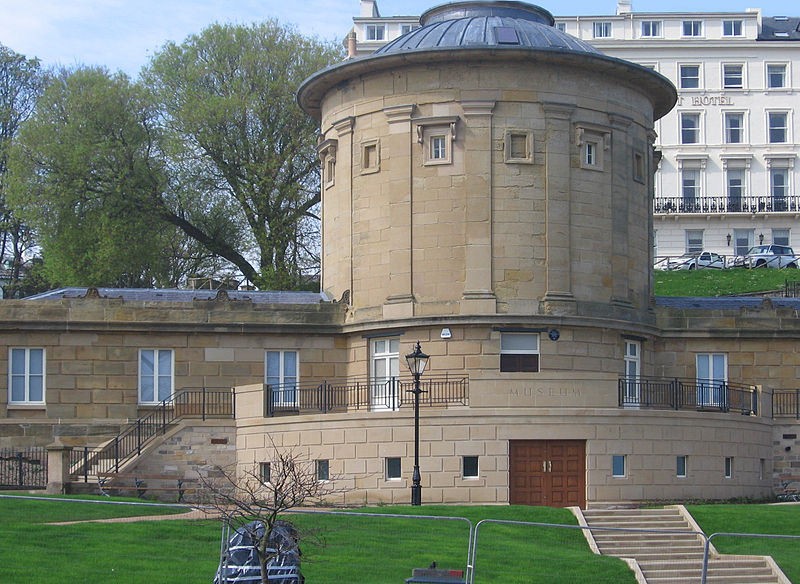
x=417 y=361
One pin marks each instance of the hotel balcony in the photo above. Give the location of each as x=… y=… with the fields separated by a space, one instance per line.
x=723 y=204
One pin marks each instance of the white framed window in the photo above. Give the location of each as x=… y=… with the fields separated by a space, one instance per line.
x=742 y=240
x=384 y=373
x=694 y=240
x=651 y=28
x=690 y=128
x=393 y=469
x=519 y=146
x=692 y=28
x=735 y=186
x=323 y=470
x=779 y=187
x=778 y=128
x=370 y=157
x=281 y=376
x=376 y=32
x=712 y=375
x=776 y=75
x=689 y=76
x=592 y=141
x=155 y=375
x=633 y=367
x=690 y=186
x=780 y=237
x=519 y=352
x=438 y=147
x=561 y=26
x=407 y=28
x=680 y=467
x=732 y=76
x=618 y=465
x=436 y=135
x=728 y=467
x=731 y=28
x=26 y=376
x=601 y=30
x=734 y=127
x=469 y=467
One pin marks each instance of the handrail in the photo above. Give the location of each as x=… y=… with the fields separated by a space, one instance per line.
x=389 y=393
x=786 y=403
x=687 y=394
x=726 y=204
x=187 y=403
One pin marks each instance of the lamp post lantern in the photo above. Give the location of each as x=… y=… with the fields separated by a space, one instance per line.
x=417 y=361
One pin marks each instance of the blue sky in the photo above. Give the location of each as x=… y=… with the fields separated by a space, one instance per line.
x=123 y=34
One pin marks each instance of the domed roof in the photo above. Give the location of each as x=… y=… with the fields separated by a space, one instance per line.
x=481 y=24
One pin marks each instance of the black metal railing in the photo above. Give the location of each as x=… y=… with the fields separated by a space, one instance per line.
x=23 y=468
x=786 y=403
x=726 y=204
x=363 y=394
x=200 y=403
x=687 y=394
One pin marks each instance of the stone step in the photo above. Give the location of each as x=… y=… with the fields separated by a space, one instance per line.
x=659 y=525
x=632 y=511
x=636 y=551
x=730 y=579
x=603 y=535
x=713 y=565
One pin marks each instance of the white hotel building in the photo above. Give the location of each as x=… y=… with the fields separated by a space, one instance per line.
x=727 y=179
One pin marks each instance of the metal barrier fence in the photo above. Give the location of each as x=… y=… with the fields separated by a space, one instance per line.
x=25 y=469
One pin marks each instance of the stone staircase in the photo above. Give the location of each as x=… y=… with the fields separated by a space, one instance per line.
x=674 y=556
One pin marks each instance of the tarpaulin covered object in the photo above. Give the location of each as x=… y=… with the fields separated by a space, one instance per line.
x=239 y=560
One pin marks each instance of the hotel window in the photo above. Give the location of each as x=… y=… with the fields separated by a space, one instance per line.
x=690 y=188
x=780 y=237
x=779 y=187
x=694 y=240
x=690 y=76
x=618 y=466
x=323 y=470
x=651 y=28
x=519 y=146
x=407 y=28
x=776 y=76
x=561 y=26
x=155 y=375
x=734 y=127
x=376 y=32
x=26 y=376
x=281 y=377
x=393 y=469
x=731 y=28
x=778 y=129
x=742 y=240
x=732 y=76
x=690 y=128
x=728 y=467
x=519 y=352
x=692 y=28
x=680 y=464
x=735 y=187
x=601 y=30
x=712 y=375
x=470 y=467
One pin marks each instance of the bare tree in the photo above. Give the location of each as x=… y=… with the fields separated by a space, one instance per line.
x=255 y=498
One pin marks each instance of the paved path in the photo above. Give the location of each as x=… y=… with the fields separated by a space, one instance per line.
x=194 y=514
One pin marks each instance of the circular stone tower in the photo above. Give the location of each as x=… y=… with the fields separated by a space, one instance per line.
x=487 y=164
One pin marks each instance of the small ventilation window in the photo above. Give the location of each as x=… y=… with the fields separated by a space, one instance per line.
x=784 y=18
x=506 y=35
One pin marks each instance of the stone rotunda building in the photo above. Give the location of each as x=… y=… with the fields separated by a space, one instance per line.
x=486 y=192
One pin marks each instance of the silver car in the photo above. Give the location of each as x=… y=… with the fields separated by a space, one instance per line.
x=771 y=256
x=703 y=260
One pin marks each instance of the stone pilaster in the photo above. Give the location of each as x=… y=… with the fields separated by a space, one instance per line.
x=621 y=170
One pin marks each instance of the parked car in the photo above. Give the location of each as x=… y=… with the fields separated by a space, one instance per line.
x=702 y=260
x=771 y=256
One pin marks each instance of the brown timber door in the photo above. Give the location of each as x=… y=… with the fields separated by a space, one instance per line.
x=548 y=472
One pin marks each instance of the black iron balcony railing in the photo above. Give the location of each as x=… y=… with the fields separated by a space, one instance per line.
x=687 y=394
x=200 y=403
x=726 y=204
x=786 y=403
x=383 y=394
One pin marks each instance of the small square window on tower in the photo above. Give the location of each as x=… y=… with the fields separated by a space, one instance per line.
x=638 y=167
x=370 y=157
x=436 y=135
x=592 y=142
x=519 y=146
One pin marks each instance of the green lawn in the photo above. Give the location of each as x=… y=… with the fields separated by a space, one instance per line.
x=721 y=282
x=356 y=550
x=770 y=519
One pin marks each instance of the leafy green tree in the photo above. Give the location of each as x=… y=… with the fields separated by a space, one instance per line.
x=237 y=136
x=21 y=82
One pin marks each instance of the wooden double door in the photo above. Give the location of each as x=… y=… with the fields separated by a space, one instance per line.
x=548 y=472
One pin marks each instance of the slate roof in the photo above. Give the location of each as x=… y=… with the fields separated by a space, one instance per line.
x=724 y=303
x=167 y=295
x=780 y=28
x=495 y=25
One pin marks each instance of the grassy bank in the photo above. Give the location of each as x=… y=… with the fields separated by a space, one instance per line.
x=721 y=282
